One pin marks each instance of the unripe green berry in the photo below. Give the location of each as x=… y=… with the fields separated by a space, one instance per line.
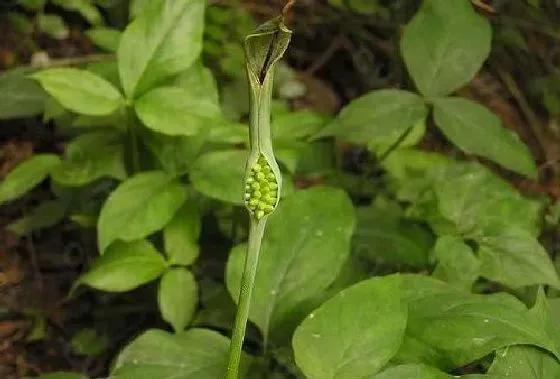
x=261 y=189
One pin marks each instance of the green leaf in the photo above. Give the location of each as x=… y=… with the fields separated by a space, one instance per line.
x=92 y=156
x=53 y=25
x=32 y=5
x=220 y=175
x=174 y=154
x=525 y=362
x=383 y=235
x=354 y=334
x=106 y=38
x=302 y=252
x=476 y=130
x=197 y=353
x=478 y=202
x=421 y=371
x=89 y=342
x=515 y=258
x=384 y=114
x=445 y=45
x=47 y=214
x=27 y=175
x=412 y=371
x=181 y=235
x=80 y=91
x=199 y=80
x=165 y=39
x=457 y=263
x=137 y=6
x=108 y=70
x=125 y=266
x=178 y=297
x=140 y=206
x=297 y=125
x=453 y=327
x=21 y=96
x=176 y=111
x=83 y=7
x=230 y=133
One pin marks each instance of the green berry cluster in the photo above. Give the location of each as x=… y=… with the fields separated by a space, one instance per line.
x=261 y=189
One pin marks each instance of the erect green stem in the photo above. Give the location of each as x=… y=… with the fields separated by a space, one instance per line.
x=256 y=232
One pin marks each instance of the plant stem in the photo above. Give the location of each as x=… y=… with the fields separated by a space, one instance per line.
x=131 y=126
x=256 y=233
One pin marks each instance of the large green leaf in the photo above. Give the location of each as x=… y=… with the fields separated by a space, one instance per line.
x=384 y=114
x=445 y=45
x=177 y=111
x=195 y=354
x=476 y=130
x=174 y=154
x=303 y=250
x=220 y=175
x=27 y=175
x=421 y=371
x=478 y=202
x=456 y=262
x=181 y=235
x=515 y=258
x=92 y=156
x=199 y=80
x=125 y=266
x=165 y=39
x=21 y=96
x=449 y=328
x=384 y=235
x=140 y=206
x=80 y=91
x=297 y=125
x=527 y=362
x=354 y=334
x=178 y=297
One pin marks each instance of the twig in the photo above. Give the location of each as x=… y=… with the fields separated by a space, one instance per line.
x=286 y=9
x=532 y=119
x=327 y=54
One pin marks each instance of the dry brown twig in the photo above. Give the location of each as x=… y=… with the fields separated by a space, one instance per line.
x=286 y=9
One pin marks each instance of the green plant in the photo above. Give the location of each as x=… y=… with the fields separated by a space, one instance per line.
x=431 y=268
x=263 y=179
